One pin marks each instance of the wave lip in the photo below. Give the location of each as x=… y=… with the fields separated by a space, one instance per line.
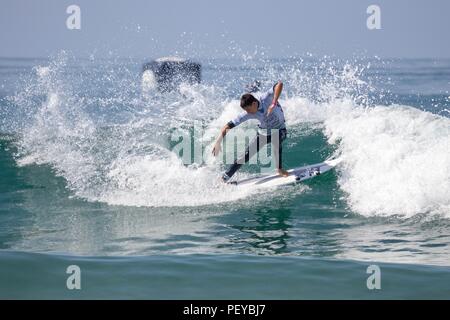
x=397 y=160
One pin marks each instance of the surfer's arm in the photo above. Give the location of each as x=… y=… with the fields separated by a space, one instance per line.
x=223 y=132
x=277 y=88
x=233 y=123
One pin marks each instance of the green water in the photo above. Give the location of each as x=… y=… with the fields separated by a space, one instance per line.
x=31 y=276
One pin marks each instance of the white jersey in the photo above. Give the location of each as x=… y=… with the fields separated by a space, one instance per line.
x=274 y=121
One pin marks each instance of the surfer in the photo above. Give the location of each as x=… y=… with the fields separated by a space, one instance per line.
x=267 y=110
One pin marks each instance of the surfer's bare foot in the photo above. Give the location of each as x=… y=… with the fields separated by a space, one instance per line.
x=224 y=178
x=283 y=172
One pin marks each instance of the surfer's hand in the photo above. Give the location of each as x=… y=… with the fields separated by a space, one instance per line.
x=283 y=172
x=216 y=149
x=272 y=106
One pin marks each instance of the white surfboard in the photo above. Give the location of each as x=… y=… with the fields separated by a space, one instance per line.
x=295 y=175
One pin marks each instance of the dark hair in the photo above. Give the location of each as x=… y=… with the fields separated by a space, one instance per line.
x=247 y=99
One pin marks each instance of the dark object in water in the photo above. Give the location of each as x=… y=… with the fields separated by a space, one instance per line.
x=255 y=86
x=170 y=72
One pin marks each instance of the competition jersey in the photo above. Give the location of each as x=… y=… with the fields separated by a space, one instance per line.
x=274 y=121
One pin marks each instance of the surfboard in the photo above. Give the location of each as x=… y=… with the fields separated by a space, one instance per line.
x=295 y=175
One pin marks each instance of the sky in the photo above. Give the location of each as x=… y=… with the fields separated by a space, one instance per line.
x=231 y=28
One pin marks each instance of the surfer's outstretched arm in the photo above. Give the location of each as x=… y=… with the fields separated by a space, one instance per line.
x=223 y=132
x=276 y=94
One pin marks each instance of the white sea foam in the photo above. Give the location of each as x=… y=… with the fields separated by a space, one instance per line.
x=397 y=159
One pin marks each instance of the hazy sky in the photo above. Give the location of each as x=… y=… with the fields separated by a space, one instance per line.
x=210 y=28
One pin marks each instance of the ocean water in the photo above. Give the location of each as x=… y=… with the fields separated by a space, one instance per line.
x=89 y=176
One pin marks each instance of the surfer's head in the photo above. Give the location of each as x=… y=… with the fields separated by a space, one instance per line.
x=249 y=103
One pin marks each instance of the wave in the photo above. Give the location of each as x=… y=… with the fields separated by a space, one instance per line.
x=396 y=159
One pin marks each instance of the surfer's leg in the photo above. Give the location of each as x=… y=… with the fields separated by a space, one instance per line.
x=277 y=144
x=250 y=151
